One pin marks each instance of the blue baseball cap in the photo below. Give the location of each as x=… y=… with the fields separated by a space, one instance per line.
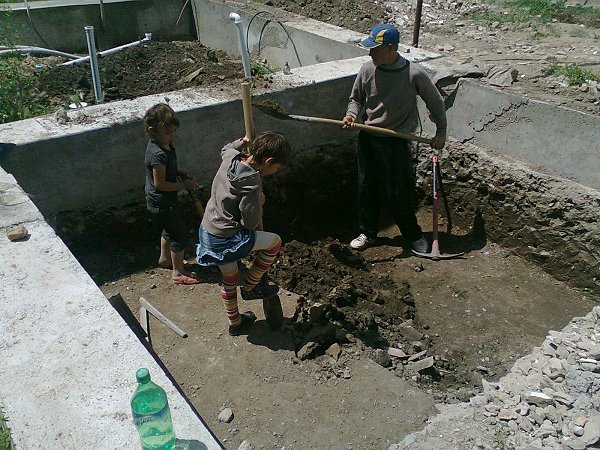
x=384 y=34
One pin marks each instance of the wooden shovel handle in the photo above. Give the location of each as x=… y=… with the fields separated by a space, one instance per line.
x=247 y=105
x=360 y=126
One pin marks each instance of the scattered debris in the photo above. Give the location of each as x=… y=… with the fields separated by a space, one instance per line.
x=17 y=233
x=226 y=415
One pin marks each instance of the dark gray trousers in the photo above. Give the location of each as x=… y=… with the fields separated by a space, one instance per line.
x=386 y=175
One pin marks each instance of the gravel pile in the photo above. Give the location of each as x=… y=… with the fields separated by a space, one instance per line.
x=550 y=400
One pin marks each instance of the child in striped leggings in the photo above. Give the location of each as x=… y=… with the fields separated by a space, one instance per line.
x=230 y=229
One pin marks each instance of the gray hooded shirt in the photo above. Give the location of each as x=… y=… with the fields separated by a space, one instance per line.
x=234 y=201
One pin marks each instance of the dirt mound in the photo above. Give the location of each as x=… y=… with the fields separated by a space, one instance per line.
x=149 y=68
x=341 y=301
x=351 y=14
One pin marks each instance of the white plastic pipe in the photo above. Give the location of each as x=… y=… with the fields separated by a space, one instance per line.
x=89 y=33
x=148 y=36
x=27 y=49
x=237 y=20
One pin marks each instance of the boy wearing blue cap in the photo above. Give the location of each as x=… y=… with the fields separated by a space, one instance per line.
x=385 y=95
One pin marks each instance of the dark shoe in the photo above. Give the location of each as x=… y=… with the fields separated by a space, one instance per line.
x=261 y=290
x=248 y=319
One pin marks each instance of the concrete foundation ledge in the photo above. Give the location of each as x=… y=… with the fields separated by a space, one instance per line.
x=68 y=360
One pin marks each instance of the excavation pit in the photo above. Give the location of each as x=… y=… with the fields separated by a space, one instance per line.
x=345 y=309
x=523 y=212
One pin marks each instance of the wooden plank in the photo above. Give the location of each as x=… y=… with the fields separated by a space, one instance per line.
x=160 y=316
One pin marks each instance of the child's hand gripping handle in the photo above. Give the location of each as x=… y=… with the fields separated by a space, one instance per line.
x=191 y=186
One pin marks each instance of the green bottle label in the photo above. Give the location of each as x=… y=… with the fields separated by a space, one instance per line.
x=160 y=416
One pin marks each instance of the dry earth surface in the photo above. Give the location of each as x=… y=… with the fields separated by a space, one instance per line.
x=473 y=316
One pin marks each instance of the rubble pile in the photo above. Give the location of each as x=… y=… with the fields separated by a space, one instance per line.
x=549 y=400
x=345 y=309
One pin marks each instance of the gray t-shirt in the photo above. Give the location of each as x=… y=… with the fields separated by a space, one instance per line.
x=156 y=155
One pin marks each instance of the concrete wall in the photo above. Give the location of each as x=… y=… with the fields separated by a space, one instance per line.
x=96 y=163
x=547 y=138
x=548 y=220
x=315 y=42
x=59 y=24
x=96 y=160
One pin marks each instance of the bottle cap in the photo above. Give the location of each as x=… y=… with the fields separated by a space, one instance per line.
x=142 y=375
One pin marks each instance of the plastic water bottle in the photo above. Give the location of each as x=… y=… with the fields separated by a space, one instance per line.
x=151 y=414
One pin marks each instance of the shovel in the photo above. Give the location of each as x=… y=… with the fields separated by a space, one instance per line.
x=435 y=245
x=273 y=109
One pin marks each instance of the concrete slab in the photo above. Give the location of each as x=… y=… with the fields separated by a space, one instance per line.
x=280 y=36
x=554 y=140
x=68 y=360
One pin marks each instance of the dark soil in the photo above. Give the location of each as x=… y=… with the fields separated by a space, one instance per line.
x=149 y=68
x=351 y=14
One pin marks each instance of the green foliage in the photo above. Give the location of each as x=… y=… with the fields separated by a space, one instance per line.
x=18 y=97
x=77 y=98
x=575 y=74
x=10 y=32
x=4 y=434
x=259 y=69
x=541 y=12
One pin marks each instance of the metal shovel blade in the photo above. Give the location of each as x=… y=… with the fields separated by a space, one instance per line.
x=435 y=253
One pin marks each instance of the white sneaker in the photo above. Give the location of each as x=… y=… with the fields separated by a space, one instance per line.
x=420 y=245
x=361 y=242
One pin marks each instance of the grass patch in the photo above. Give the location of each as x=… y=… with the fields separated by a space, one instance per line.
x=541 y=12
x=18 y=97
x=259 y=69
x=574 y=74
x=4 y=434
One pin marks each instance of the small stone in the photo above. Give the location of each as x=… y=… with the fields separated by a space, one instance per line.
x=420 y=365
x=538 y=398
x=580 y=421
x=308 y=350
x=226 y=415
x=245 y=445
x=396 y=353
x=508 y=414
x=61 y=116
x=334 y=350
x=17 y=233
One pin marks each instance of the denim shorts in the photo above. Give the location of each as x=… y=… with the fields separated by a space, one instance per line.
x=215 y=250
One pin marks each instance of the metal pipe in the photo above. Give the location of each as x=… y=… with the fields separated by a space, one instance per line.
x=417 y=26
x=148 y=37
x=89 y=33
x=237 y=20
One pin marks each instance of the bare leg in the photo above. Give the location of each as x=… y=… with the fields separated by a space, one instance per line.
x=177 y=259
x=164 y=260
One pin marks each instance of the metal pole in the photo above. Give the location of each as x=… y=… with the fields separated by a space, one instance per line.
x=417 y=26
x=109 y=51
x=237 y=20
x=89 y=33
